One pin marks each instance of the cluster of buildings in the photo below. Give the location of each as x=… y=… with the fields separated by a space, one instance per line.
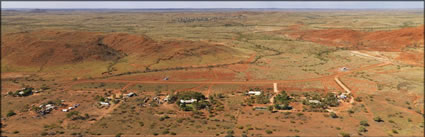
x=155 y=99
x=70 y=108
x=341 y=98
x=46 y=109
x=108 y=99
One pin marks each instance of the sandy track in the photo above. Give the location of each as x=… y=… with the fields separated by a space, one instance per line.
x=344 y=87
x=236 y=82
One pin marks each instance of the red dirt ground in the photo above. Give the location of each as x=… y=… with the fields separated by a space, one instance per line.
x=394 y=40
x=416 y=58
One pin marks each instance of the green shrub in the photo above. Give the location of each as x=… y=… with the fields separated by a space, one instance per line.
x=10 y=113
x=378 y=119
x=70 y=114
x=344 y=134
x=395 y=131
x=180 y=120
x=165 y=132
x=269 y=131
x=118 y=135
x=362 y=129
x=364 y=123
x=333 y=115
x=358 y=99
x=44 y=134
x=164 y=117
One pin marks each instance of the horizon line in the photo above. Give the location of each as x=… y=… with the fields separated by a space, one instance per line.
x=209 y=8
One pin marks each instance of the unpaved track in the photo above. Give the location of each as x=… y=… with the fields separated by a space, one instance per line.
x=382 y=59
x=234 y=82
x=344 y=87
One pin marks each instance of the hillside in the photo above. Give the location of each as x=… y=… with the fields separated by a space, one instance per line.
x=48 y=48
x=392 y=41
x=55 y=48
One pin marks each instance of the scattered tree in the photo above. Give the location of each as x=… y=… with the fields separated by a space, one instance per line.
x=10 y=113
x=333 y=115
x=344 y=134
x=378 y=119
x=364 y=123
x=269 y=132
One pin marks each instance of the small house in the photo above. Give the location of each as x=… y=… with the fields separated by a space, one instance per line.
x=260 y=108
x=343 y=69
x=314 y=101
x=166 y=98
x=104 y=103
x=188 y=101
x=131 y=94
x=342 y=96
x=49 y=107
x=254 y=93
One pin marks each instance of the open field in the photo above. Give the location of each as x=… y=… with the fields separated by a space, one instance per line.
x=90 y=57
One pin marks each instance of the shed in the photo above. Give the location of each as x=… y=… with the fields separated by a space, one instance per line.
x=131 y=94
x=342 y=96
x=314 y=101
x=166 y=98
x=254 y=93
x=260 y=108
x=104 y=103
x=188 y=101
x=343 y=69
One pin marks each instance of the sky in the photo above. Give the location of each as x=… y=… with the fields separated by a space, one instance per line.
x=213 y=4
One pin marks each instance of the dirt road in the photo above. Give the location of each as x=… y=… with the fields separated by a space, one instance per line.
x=344 y=87
x=233 y=82
x=371 y=56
